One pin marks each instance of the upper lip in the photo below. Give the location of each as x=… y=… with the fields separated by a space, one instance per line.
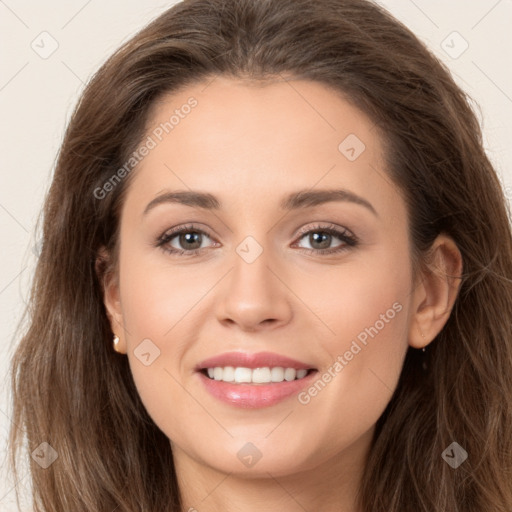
x=258 y=360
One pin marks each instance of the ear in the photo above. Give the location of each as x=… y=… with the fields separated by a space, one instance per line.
x=109 y=281
x=435 y=292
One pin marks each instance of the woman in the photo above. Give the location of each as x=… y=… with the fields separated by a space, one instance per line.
x=371 y=372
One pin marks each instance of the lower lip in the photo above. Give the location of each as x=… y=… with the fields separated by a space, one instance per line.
x=253 y=396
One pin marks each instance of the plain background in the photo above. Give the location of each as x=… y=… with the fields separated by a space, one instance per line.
x=37 y=97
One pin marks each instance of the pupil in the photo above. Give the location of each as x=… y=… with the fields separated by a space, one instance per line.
x=325 y=240
x=188 y=237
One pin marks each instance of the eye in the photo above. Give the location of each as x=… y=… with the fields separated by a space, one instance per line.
x=320 y=238
x=189 y=238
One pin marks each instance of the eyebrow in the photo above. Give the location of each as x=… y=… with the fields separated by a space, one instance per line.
x=294 y=201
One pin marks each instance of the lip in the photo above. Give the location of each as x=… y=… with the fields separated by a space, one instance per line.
x=255 y=396
x=258 y=360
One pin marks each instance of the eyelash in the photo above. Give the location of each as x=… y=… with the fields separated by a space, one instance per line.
x=344 y=235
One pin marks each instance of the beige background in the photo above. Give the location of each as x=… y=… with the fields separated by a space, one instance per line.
x=37 y=96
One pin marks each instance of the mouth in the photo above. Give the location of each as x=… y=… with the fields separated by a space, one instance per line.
x=254 y=380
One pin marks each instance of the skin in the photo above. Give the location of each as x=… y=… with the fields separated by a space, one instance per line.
x=250 y=145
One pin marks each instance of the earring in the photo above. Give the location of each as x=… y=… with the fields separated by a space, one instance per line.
x=116 y=343
x=423 y=363
x=423 y=336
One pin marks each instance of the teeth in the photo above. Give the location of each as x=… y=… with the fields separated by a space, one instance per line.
x=277 y=374
x=264 y=375
x=241 y=374
x=289 y=374
x=228 y=375
x=261 y=375
x=301 y=373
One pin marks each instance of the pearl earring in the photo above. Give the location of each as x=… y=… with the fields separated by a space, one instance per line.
x=116 y=343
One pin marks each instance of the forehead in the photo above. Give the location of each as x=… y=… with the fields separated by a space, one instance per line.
x=249 y=139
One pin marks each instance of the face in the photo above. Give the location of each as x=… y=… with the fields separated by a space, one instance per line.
x=297 y=257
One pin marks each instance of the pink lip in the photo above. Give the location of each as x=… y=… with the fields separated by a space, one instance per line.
x=259 y=360
x=254 y=396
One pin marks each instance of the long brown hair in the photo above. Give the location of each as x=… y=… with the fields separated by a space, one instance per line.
x=72 y=391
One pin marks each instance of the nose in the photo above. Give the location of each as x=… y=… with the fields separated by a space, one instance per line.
x=254 y=295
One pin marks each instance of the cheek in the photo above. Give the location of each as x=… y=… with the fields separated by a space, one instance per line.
x=364 y=299
x=368 y=312
x=156 y=296
x=156 y=301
